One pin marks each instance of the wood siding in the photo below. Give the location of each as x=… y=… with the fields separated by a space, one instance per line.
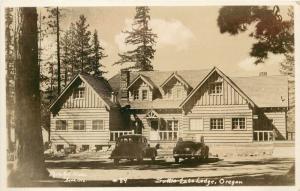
x=87 y=136
x=229 y=95
x=226 y=135
x=173 y=85
x=90 y=99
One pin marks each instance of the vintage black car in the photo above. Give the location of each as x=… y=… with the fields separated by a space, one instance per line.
x=132 y=147
x=190 y=149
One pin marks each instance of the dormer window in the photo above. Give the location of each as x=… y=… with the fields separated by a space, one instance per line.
x=216 y=88
x=144 y=94
x=135 y=94
x=78 y=93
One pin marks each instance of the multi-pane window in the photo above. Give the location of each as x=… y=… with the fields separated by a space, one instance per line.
x=144 y=94
x=78 y=125
x=61 y=125
x=78 y=93
x=238 y=123
x=216 y=88
x=135 y=94
x=177 y=93
x=98 y=125
x=168 y=131
x=196 y=124
x=216 y=123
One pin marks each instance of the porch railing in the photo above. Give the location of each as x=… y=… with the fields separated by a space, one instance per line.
x=168 y=135
x=115 y=134
x=263 y=136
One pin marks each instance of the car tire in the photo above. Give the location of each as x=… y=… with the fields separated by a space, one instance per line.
x=116 y=161
x=153 y=158
x=176 y=159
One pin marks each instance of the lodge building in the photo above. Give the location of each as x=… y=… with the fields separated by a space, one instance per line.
x=92 y=112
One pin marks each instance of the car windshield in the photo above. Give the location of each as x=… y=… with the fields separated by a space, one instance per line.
x=129 y=140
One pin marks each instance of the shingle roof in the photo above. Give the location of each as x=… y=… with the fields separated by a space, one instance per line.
x=101 y=86
x=264 y=91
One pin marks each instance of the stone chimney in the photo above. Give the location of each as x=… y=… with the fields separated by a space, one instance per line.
x=263 y=73
x=124 y=82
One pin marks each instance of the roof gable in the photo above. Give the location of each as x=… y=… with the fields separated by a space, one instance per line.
x=99 y=86
x=179 y=78
x=228 y=80
x=144 y=79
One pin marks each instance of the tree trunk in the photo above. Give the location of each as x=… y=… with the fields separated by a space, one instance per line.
x=29 y=162
x=58 y=51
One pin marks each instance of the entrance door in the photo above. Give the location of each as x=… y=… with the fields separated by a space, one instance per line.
x=154 y=135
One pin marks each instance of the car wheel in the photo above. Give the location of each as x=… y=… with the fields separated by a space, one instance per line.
x=116 y=161
x=153 y=158
x=140 y=159
x=176 y=160
x=206 y=152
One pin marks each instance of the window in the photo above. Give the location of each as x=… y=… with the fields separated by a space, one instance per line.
x=78 y=93
x=135 y=94
x=98 y=125
x=169 y=132
x=216 y=123
x=177 y=93
x=215 y=88
x=79 y=125
x=196 y=124
x=61 y=125
x=59 y=147
x=238 y=123
x=144 y=94
x=98 y=147
x=85 y=147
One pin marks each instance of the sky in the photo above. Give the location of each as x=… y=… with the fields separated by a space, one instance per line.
x=188 y=39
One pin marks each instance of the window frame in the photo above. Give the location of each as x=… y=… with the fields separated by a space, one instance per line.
x=60 y=120
x=84 y=126
x=135 y=94
x=216 y=129
x=213 y=87
x=147 y=95
x=196 y=119
x=97 y=120
x=238 y=123
x=80 y=92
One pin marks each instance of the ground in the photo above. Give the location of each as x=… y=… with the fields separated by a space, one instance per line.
x=164 y=172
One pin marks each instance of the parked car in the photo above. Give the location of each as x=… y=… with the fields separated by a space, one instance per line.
x=132 y=147
x=190 y=149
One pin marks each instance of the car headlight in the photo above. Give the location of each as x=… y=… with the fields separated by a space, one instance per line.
x=187 y=149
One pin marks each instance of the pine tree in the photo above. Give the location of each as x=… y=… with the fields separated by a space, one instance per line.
x=82 y=42
x=143 y=38
x=96 y=56
x=54 y=23
x=29 y=163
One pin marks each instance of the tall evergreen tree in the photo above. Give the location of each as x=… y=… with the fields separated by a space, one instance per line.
x=54 y=22
x=82 y=42
x=142 y=37
x=96 y=56
x=29 y=163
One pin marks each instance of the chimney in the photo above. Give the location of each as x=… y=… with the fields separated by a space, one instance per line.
x=263 y=74
x=113 y=97
x=124 y=82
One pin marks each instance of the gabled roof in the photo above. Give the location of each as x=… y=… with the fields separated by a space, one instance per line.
x=178 y=77
x=144 y=78
x=264 y=91
x=229 y=81
x=99 y=85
